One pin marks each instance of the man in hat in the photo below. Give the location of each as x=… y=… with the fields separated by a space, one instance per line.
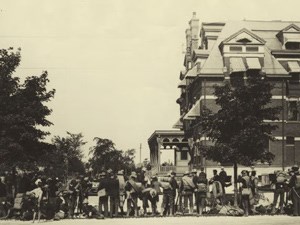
x=280 y=186
x=113 y=193
x=156 y=186
x=145 y=182
x=246 y=190
x=71 y=197
x=86 y=185
x=195 y=178
x=223 y=178
x=103 y=198
x=169 y=194
x=122 y=192
x=51 y=189
x=201 y=191
x=37 y=193
x=295 y=186
x=187 y=188
x=132 y=191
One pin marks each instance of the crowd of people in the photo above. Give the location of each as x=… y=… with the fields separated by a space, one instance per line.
x=34 y=196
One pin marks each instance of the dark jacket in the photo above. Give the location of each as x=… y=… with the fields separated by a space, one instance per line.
x=293 y=181
x=112 y=187
x=3 y=192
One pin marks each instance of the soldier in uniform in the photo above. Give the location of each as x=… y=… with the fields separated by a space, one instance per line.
x=169 y=194
x=295 y=186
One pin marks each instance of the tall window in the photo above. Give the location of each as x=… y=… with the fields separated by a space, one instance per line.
x=293 y=112
x=184 y=155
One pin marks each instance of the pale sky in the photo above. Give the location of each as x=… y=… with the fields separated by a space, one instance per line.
x=115 y=64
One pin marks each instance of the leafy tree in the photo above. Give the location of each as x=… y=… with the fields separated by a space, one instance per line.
x=238 y=130
x=22 y=114
x=105 y=156
x=69 y=151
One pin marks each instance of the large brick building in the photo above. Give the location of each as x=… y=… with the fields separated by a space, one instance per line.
x=217 y=51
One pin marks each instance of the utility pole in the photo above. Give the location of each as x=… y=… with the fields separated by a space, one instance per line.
x=141 y=153
x=283 y=125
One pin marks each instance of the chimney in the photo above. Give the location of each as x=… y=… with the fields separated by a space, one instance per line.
x=194 y=30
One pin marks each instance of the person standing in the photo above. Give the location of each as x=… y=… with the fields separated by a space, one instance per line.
x=223 y=178
x=52 y=197
x=38 y=194
x=280 y=186
x=3 y=190
x=71 y=198
x=295 y=186
x=132 y=191
x=195 y=178
x=187 y=187
x=245 y=190
x=202 y=188
x=217 y=189
x=155 y=199
x=86 y=186
x=103 y=198
x=169 y=186
x=113 y=193
x=122 y=192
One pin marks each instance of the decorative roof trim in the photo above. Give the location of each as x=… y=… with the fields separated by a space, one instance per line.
x=244 y=30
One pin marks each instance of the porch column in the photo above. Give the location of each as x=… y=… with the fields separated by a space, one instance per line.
x=158 y=140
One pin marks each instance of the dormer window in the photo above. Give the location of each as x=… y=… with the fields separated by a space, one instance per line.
x=292 y=45
x=235 y=48
x=251 y=48
x=290 y=37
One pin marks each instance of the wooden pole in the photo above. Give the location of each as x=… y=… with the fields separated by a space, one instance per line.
x=283 y=125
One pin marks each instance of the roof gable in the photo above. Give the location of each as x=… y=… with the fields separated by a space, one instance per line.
x=291 y=28
x=243 y=36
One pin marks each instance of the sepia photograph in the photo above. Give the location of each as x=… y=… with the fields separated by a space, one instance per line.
x=149 y=112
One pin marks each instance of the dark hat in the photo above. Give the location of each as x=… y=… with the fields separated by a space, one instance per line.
x=295 y=167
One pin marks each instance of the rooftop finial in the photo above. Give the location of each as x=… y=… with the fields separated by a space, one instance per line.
x=194 y=15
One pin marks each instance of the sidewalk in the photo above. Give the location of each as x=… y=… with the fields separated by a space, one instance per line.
x=223 y=220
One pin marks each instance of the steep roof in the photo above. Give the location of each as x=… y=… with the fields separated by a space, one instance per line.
x=264 y=30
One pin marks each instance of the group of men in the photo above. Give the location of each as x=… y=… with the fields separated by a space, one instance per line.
x=178 y=195
x=52 y=199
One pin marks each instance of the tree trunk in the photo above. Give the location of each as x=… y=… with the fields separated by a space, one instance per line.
x=235 y=184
